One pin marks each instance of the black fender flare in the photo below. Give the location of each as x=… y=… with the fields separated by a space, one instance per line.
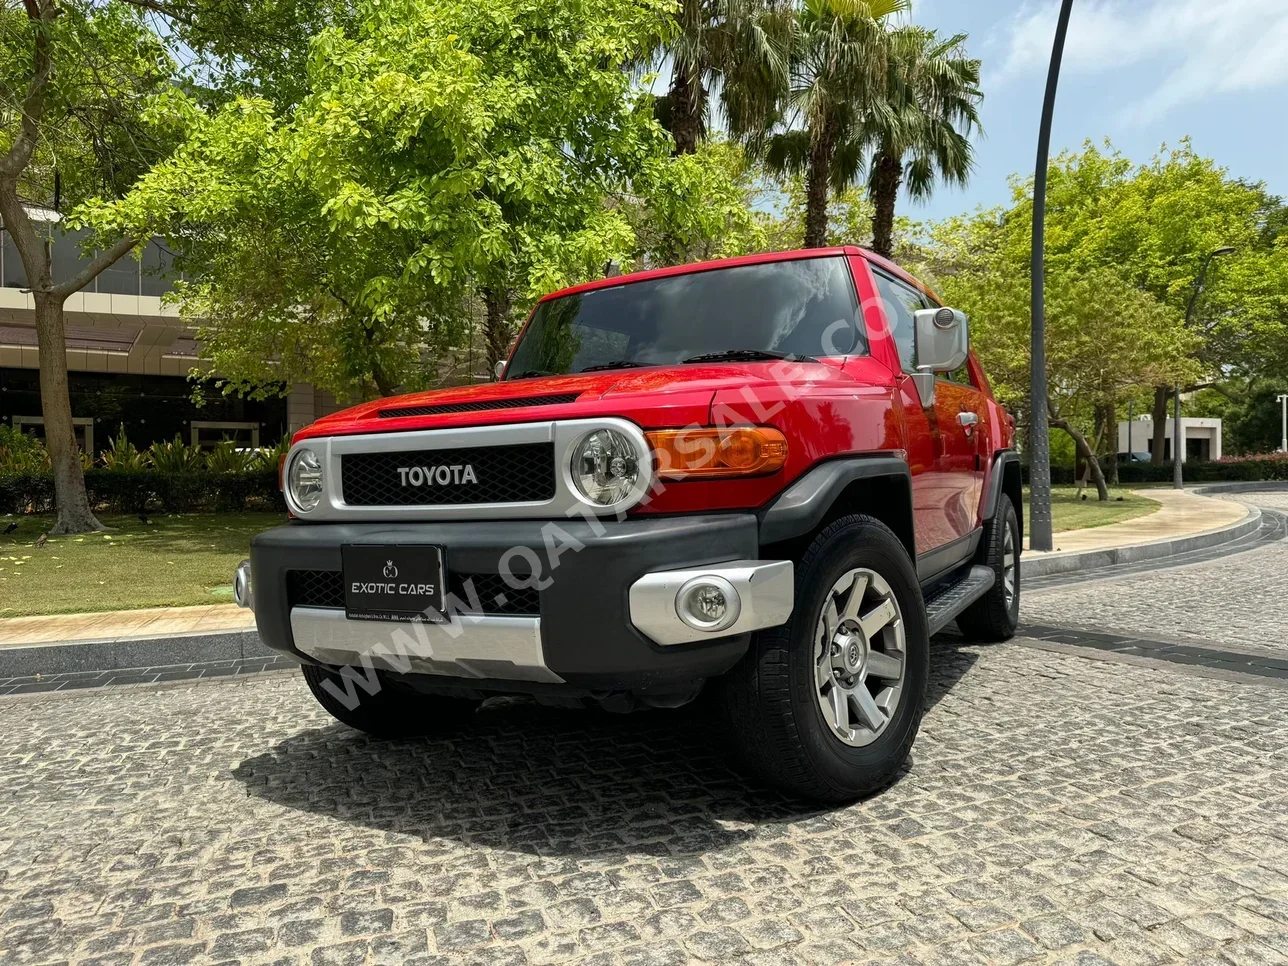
x=800 y=508
x=1001 y=460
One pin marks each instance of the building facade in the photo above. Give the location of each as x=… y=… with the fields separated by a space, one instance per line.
x=129 y=357
x=1200 y=438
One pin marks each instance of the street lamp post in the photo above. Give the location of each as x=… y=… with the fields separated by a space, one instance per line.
x=1040 y=534
x=1283 y=405
x=1177 y=482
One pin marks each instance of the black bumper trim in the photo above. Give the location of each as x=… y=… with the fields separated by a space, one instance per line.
x=586 y=633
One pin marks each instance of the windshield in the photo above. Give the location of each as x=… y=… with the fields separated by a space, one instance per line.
x=805 y=307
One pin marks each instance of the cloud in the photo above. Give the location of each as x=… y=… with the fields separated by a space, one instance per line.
x=1187 y=49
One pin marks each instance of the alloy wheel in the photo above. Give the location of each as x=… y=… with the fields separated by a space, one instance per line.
x=859 y=657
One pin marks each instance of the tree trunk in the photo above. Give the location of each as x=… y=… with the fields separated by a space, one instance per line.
x=688 y=105
x=1111 y=422
x=1161 y=395
x=1082 y=449
x=74 y=513
x=496 y=328
x=886 y=178
x=816 y=176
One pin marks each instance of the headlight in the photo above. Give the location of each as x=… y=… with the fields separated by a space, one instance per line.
x=605 y=467
x=304 y=478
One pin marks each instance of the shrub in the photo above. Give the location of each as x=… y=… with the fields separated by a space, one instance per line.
x=225 y=457
x=26 y=492
x=124 y=456
x=175 y=456
x=21 y=452
x=137 y=491
x=1230 y=469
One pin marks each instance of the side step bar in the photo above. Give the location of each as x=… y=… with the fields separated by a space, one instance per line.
x=944 y=607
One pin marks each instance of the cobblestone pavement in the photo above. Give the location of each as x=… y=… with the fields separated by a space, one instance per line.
x=1056 y=810
x=1240 y=599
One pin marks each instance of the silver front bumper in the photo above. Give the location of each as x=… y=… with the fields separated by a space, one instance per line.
x=481 y=646
x=475 y=646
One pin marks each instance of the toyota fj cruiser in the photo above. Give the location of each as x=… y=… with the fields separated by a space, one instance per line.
x=765 y=480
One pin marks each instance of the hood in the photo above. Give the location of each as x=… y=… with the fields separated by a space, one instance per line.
x=656 y=397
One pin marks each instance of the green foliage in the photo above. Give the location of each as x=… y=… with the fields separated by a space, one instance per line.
x=1154 y=225
x=271 y=456
x=123 y=456
x=1251 y=420
x=21 y=452
x=174 y=456
x=1124 y=246
x=441 y=145
x=137 y=491
x=697 y=206
x=226 y=457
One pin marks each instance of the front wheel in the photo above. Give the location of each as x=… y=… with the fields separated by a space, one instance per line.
x=388 y=711
x=828 y=705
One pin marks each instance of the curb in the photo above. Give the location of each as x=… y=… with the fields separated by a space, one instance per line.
x=1244 y=486
x=48 y=659
x=1135 y=553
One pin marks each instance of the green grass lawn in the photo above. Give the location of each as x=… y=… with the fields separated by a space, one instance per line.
x=172 y=560
x=1068 y=512
x=190 y=558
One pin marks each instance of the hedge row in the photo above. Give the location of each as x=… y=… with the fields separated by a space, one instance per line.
x=1216 y=471
x=138 y=491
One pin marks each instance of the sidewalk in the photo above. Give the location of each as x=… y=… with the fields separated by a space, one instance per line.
x=1183 y=513
x=132 y=625
x=1186 y=521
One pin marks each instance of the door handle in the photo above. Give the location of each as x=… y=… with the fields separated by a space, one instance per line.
x=968 y=419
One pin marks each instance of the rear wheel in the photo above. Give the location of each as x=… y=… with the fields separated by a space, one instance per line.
x=391 y=712
x=996 y=615
x=828 y=705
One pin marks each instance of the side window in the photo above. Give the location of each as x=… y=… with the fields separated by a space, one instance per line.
x=901 y=302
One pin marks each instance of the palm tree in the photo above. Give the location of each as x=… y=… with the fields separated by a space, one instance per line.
x=838 y=68
x=922 y=130
x=739 y=45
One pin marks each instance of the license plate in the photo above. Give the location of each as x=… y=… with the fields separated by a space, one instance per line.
x=393 y=582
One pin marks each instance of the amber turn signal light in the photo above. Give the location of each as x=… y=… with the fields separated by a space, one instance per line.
x=701 y=454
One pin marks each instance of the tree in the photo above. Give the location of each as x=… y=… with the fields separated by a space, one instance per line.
x=440 y=149
x=91 y=113
x=697 y=206
x=838 y=64
x=739 y=45
x=921 y=132
x=1154 y=225
x=1106 y=340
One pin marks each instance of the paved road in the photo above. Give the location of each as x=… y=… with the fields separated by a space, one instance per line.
x=1240 y=599
x=1057 y=809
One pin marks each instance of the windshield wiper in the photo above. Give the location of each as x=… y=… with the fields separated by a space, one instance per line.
x=748 y=355
x=529 y=373
x=619 y=364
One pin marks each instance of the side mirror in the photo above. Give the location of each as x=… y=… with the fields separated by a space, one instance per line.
x=500 y=368
x=943 y=342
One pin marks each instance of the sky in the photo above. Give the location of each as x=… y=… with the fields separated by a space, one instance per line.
x=1140 y=72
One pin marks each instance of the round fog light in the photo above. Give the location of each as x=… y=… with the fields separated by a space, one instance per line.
x=708 y=603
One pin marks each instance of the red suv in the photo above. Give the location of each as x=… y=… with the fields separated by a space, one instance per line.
x=766 y=481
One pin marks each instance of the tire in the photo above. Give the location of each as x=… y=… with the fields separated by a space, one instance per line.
x=389 y=713
x=995 y=616
x=771 y=702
